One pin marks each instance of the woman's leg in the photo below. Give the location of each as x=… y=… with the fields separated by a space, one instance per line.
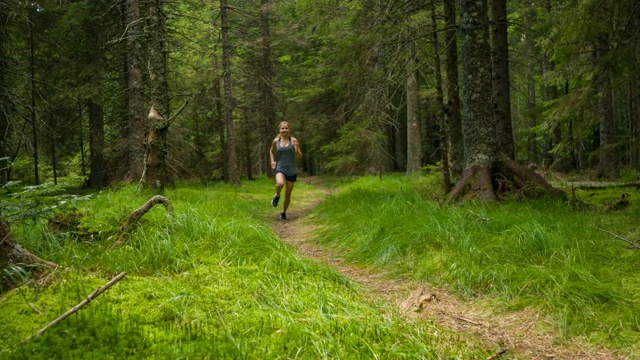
x=279 y=183
x=287 y=195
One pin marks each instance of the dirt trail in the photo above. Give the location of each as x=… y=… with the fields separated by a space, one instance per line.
x=519 y=334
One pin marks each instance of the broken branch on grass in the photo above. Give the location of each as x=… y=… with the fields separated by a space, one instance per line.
x=633 y=245
x=467 y=320
x=76 y=308
x=497 y=355
x=478 y=216
x=136 y=215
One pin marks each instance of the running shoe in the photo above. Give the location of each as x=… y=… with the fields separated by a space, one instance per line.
x=275 y=200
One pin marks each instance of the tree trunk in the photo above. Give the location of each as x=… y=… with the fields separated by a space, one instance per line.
x=441 y=119
x=414 y=136
x=4 y=100
x=532 y=142
x=155 y=174
x=552 y=94
x=634 y=123
x=452 y=109
x=83 y=162
x=267 y=108
x=479 y=123
x=398 y=132
x=134 y=127
x=231 y=163
x=606 y=161
x=501 y=77
x=247 y=139
x=34 y=128
x=220 y=125
x=482 y=153
x=98 y=173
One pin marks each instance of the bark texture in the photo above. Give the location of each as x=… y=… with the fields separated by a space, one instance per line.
x=501 y=77
x=452 y=109
x=440 y=115
x=134 y=128
x=268 y=100
x=606 y=161
x=155 y=174
x=478 y=120
x=98 y=168
x=231 y=161
x=414 y=136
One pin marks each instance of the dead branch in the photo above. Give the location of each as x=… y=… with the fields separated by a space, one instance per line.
x=76 y=308
x=478 y=216
x=467 y=320
x=175 y=115
x=137 y=214
x=497 y=355
x=633 y=245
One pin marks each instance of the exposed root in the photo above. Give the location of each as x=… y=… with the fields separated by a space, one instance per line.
x=487 y=183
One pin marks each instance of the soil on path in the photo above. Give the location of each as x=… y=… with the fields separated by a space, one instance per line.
x=522 y=334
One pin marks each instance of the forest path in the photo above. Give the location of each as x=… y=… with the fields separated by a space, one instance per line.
x=520 y=334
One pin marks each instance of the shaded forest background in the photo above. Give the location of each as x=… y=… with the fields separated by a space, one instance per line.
x=151 y=90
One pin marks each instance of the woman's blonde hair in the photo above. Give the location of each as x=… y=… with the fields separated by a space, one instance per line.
x=282 y=123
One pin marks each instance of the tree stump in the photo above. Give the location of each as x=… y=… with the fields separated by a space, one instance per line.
x=12 y=254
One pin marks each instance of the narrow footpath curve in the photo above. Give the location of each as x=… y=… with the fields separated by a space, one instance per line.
x=520 y=334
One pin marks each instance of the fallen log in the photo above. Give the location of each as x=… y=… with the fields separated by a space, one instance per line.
x=600 y=185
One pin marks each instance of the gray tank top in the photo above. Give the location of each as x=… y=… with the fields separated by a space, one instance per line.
x=285 y=159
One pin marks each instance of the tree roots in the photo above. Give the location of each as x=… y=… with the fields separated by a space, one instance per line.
x=510 y=177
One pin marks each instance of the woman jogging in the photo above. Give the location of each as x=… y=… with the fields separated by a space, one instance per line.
x=283 y=152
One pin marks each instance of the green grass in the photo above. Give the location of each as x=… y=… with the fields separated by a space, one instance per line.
x=516 y=254
x=212 y=282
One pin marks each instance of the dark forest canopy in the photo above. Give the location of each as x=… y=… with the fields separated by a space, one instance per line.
x=356 y=79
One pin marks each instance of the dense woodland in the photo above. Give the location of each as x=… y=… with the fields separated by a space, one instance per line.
x=151 y=90
x=447 y=99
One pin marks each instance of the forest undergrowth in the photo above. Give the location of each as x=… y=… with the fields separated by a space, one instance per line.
x=547 y=278
x=211 y=282
x=214 y=280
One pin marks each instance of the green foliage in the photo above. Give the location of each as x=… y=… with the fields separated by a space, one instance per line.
x=539 y=254
x=211 y=282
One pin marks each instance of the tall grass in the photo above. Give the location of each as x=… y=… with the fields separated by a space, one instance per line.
x=535 y=253
x=211 y=282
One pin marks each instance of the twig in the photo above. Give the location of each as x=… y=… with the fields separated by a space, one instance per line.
x=633 y=245
x=478 y=216
x=5 y=238
x=497 y=355
x=79 y=306
x=467 y=320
